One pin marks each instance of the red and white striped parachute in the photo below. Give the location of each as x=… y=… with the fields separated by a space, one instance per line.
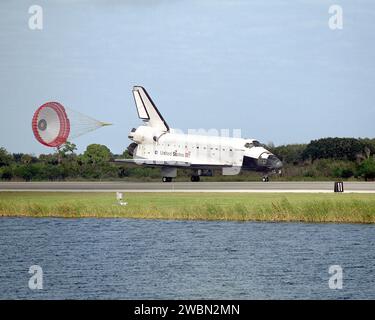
x=52 y=127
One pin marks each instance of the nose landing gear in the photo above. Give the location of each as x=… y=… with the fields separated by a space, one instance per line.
x=167 y=179
x=266 y=178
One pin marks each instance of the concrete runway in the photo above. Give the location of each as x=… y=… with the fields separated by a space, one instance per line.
x=299 y=187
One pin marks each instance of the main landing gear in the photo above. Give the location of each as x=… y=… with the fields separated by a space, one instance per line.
x=168 y=174
x=195 y=178
x=265 y=179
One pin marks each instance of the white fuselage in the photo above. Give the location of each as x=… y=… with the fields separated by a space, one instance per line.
x=194 y=149
x=156 y=145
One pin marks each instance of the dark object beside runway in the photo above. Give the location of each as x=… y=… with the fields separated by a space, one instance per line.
x=339 y=186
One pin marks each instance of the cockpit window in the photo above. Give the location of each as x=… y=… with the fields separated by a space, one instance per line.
x=255 y=143
x=249 y=145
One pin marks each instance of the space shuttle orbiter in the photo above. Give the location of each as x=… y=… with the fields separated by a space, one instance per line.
x=156 y=145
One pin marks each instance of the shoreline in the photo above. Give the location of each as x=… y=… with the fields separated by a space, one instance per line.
x=17 y=216
x=214 y=206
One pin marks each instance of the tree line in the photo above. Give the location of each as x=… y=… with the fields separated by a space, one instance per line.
x=329 y=157
x=65 y=164
x=320 y=159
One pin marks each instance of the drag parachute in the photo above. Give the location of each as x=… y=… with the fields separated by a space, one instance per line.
x=53 y=124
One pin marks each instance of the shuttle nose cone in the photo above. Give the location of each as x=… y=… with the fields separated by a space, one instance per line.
x=274 y=163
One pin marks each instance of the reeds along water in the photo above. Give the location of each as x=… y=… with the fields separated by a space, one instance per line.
x=231 y=207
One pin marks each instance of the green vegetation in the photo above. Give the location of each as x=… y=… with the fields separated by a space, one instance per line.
x=333 y=148
x=328 y=158
x=367 y=169
x=343 y=208
x=323 y=159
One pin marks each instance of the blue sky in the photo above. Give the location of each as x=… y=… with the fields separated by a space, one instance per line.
x=273 y=69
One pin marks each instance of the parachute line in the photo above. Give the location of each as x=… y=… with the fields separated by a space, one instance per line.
x=82 y=124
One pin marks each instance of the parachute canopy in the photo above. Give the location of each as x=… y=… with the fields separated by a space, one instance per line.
x=53 y=124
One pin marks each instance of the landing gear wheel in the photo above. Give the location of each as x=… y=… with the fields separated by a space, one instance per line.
x=195 y=178
x=265 y=179
x=167 y=179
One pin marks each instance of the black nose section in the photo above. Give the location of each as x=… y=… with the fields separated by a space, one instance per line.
x=274 y=162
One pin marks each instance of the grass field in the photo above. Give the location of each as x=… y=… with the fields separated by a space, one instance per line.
x=345 y=208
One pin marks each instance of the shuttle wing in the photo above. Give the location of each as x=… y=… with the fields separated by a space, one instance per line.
x=172 y=163
x=155 y=163
x=147 y=110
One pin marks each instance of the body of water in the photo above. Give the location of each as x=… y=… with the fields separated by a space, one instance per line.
x=138 y=259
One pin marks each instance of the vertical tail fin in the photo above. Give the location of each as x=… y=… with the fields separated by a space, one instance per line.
x=147 y=110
